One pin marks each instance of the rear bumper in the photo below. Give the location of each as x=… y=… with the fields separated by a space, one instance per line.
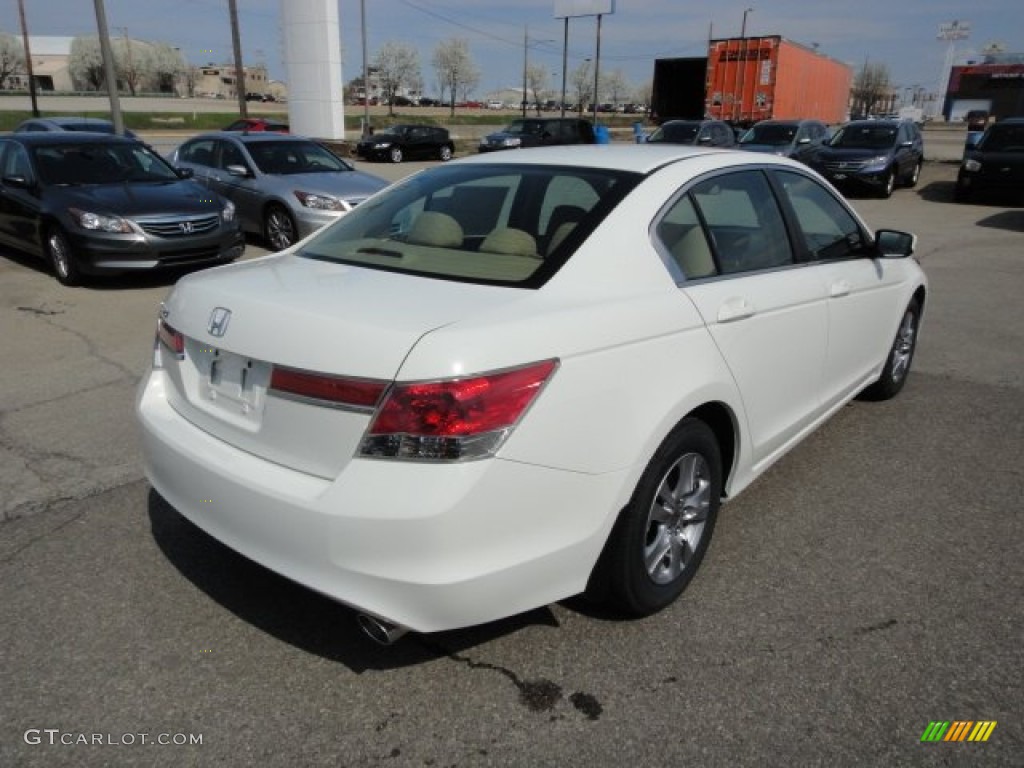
x=427 y=546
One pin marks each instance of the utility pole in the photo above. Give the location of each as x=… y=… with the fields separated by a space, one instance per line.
x=28 y=59
x=366 y=71
x=236 y=41
x=108 y=67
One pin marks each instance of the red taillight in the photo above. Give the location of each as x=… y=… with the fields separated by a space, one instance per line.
x=172 y=339
x=456 y=419
x=336 y=390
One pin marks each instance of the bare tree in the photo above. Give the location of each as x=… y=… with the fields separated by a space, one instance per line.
x=85 y=63
x=12 y=57
x=870 y=87
x=536 y=83
x=614 y=85
x=582 y=82
x=397 y=65
x=455 y=69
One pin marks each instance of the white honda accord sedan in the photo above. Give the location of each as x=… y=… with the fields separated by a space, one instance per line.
x=522 y=376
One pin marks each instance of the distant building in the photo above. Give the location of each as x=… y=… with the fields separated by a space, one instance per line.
x=50 y=70
x=49 y=64
x=994 y=84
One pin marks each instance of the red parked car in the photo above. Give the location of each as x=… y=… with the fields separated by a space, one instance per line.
x=257 y=124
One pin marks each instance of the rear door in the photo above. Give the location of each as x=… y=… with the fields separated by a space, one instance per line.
x=727 y=239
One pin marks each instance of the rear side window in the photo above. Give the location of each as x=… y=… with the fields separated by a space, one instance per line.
x=745 y=226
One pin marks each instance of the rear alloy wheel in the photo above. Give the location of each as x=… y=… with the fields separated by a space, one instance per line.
x=395 y=154
x=901 y=355
x=445 y=154
x=62 y=258
x=890 y=184
x=661 y=536
x=279 y=228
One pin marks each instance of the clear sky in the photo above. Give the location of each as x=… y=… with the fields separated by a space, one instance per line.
x=898 y=33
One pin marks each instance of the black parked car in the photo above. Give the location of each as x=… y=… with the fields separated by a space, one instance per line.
x=702 y=133
x=872 y=155
x=995 y=164
x=91 y=203
x=540 y=132
x=407 y=142
x=799 y=139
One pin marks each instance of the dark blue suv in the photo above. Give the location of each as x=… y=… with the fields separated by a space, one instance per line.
x=872 y=155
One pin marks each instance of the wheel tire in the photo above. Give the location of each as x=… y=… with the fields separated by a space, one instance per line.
x=62 y=258
x=890 y=184
x=279 y=228
x=661 y=536
x=901 y=355
x=395 y=154
x=445 y=154
x=915 y=175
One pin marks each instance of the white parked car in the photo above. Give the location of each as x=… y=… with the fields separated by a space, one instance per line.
x=495 y=104
x=522 y=376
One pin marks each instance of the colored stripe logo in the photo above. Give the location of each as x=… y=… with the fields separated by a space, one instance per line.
x=958 y=730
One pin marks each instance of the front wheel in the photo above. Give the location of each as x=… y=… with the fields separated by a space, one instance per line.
x=62 y=258
x=661 y=536
x=445 y=154
x=889 y=185
x=901 y=355
x=915 y=175
x=395 y=154
x=279 y=228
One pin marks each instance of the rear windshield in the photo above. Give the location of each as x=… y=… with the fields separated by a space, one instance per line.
x=495 y=224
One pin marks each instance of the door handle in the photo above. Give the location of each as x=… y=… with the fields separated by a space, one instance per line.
x=839 y=288
x=735 y=309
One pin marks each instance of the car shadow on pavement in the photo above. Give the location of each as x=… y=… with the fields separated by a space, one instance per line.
x=299 y=616
x=1011 y=221
x=937 y=192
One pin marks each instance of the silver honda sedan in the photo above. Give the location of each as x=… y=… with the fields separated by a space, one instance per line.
x=283 y=186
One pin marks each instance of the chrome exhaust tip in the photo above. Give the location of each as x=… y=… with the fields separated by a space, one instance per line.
x=380 y=630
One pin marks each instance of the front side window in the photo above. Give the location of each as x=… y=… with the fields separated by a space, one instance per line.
x=199 y=152
x=15 y=161
x=501 y=224
x=829 y=230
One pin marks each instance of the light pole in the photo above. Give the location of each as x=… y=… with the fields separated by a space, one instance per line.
x=366 y=72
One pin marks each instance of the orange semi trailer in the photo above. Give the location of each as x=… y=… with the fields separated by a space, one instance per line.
x=757 y=78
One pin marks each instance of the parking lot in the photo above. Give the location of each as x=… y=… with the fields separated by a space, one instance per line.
x=862 y=588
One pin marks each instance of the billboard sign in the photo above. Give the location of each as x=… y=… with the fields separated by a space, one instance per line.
x=565 y=9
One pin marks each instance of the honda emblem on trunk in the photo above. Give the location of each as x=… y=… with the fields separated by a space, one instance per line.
x=218 y=324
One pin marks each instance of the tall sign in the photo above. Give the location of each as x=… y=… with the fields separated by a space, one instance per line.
x=566 y=9
x=312 y=51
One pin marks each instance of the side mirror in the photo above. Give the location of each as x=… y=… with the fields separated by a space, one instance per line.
x=185 y=173
x=891 y=243
x=237 y=170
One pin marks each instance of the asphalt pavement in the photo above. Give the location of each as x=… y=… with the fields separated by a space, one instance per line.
x=868 y=585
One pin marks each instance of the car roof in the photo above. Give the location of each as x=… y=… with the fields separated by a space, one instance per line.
x=71 y=137
x=640 y=158
x=252 y=137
